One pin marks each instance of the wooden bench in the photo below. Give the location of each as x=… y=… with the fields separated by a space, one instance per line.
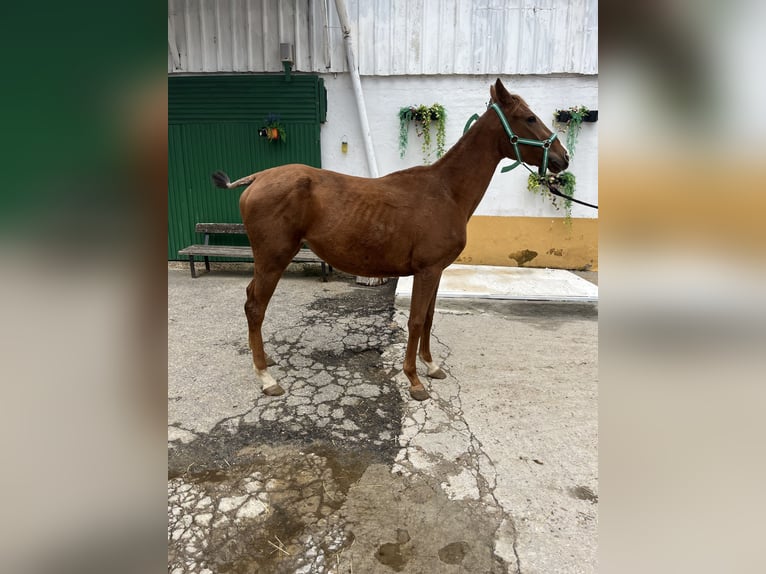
x=206 y=250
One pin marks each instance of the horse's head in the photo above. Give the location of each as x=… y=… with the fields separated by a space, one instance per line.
x=525 y=125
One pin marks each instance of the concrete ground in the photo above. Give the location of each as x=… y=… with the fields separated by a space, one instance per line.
x=507 y=283
x=345 y=473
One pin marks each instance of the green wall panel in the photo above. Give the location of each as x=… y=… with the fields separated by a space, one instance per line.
x=213 y=123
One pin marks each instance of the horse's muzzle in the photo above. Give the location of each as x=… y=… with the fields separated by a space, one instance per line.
x=558 y=163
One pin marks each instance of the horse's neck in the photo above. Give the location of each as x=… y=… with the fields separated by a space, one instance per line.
x=469 y=165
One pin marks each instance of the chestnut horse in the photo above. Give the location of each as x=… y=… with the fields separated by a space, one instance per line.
x=411 y=222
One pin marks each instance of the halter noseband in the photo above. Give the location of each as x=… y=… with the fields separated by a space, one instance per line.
x=516 y=140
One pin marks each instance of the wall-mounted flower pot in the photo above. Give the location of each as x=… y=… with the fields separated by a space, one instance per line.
x=425 y=116
x=273 y=131
x=272 y=134
x=564 y=116
x=420 y=116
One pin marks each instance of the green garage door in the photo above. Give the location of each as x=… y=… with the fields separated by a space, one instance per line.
x=214 y=123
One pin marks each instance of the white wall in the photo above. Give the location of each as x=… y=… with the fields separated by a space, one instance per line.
x=461 y=96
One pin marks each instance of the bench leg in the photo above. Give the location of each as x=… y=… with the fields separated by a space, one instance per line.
x=191 y=266
x=324 y=273
x=207 y=263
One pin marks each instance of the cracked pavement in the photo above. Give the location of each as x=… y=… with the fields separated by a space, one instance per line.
x=496 y=473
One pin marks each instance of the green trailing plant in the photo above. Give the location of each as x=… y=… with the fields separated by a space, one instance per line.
x=423 y=117
x=274 y=129
x=564 y=182
x=573 y=124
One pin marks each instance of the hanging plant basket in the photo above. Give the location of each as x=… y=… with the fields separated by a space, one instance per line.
x=273 y=131
x=423 y=117
x=563 y=116
x=572 y=120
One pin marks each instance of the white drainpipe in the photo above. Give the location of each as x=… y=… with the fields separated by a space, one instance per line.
x=356 y=82
x=372 y=164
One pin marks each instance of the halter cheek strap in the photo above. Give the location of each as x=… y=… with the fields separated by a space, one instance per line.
x=516 y=140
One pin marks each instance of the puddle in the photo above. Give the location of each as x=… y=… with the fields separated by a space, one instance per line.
x=394 y=554
x=276 y=513
x=408 y=524
x=315 y=509
x=454 y=553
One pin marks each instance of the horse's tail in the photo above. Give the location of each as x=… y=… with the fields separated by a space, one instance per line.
x=220 y=179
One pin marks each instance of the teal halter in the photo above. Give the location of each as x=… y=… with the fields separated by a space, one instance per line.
x=516 y=140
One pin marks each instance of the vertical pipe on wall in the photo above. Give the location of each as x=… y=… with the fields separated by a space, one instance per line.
x=356 y=82
x=326 y=36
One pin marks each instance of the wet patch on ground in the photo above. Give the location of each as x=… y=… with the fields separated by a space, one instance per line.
x=276 y=513
x=316 y=510
x=421 y=530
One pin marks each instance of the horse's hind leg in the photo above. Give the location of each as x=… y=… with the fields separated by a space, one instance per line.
x=259 y=293
x=424 y=288
x=434 y=370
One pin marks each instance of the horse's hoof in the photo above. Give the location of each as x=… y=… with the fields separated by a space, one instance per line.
x=273 y=391
x=270 y=362
x=419 y=393
x=437 y=374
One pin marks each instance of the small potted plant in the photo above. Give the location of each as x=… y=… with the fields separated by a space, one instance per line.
x=273 y=130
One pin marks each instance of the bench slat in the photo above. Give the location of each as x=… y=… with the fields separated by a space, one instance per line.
x=233 y=228
x=303 y=256
x=218 y=251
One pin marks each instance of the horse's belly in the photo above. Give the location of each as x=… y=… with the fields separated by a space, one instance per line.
x=367 y=261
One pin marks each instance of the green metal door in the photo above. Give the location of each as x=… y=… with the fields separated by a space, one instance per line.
x=214 y=124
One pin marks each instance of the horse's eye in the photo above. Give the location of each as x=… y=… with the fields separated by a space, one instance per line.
x=531 y=119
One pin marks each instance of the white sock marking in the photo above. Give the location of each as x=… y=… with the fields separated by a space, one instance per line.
x=266 y=379
x=432 y=367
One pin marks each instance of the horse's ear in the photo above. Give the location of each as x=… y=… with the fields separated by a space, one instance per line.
x=492 y=94
x=499 y=93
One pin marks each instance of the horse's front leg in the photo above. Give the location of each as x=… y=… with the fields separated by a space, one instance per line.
x=434 y=370
x=424 y=287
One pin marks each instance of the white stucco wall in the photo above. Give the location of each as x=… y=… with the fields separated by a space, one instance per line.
x=461 y=96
